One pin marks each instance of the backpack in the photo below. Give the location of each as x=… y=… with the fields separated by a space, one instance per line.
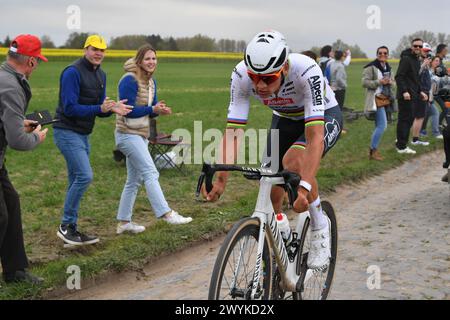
x=326 y=70
x=323 y=65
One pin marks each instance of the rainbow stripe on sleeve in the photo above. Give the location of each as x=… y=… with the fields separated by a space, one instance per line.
x=314 y=121
x=236 y=123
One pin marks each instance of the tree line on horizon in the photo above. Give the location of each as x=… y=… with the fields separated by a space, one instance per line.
x=203 y=43
x=198 y=42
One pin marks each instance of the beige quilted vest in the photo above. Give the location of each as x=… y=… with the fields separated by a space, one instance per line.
x=139 y=126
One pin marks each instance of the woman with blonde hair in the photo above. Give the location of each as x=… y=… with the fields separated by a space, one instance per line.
x=132 y=132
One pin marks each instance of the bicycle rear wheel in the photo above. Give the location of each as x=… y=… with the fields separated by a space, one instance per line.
x=232 y=277
x=316 y=284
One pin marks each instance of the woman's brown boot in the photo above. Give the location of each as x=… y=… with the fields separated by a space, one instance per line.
x=375 y=155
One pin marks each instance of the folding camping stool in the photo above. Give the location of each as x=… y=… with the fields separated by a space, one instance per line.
x=160 y=148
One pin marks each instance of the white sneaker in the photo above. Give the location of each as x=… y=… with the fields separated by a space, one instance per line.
x=319 y=250
x=420 y=143
x=129 y=227
x=440 y=137
x=174 y=217
x=407 y=150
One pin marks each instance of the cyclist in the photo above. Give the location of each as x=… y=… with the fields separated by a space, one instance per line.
x=306 y=114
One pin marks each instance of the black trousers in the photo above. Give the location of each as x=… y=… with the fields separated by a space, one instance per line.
x=444 y=110
x=340 y=97
x=446 y=134
x=427 y=117
x=404 y=122
x=12 y=249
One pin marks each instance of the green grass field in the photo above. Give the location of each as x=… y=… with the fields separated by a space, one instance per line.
x=197 y=91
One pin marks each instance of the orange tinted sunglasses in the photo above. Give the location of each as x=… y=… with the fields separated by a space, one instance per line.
x=266 y=78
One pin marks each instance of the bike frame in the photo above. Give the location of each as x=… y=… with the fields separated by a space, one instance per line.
x=264 y=212
x=266 y=215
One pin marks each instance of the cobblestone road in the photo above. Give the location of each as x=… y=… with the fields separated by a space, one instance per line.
x=398 y=223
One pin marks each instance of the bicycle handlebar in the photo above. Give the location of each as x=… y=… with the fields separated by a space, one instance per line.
x=291 y=179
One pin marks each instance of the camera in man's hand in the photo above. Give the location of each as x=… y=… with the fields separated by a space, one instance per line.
x=41 y=117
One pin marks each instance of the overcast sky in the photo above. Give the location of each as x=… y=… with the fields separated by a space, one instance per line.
x=304 y=23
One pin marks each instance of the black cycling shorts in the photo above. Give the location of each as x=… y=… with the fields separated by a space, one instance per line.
x=291 y=134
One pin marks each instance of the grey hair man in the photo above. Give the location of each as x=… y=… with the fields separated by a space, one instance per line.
x=20 y=134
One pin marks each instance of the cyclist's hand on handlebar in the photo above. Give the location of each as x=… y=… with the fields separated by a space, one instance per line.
x=301 y=203
x=216 y=192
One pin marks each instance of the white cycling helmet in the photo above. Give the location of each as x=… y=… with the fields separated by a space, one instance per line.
x=266 y=53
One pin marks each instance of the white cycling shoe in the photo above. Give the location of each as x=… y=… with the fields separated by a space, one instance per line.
x=319 y=250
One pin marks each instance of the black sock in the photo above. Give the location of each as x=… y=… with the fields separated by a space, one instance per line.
x=415 y=139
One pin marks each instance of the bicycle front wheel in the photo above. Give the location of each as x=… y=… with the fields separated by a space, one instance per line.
x=232 y=277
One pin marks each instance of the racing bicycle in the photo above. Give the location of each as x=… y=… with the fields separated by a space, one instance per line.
x=254 y=262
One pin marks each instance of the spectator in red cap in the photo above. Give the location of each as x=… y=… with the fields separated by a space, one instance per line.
x=19 y=134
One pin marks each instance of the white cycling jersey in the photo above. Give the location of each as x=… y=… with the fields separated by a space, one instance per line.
x=303 y=96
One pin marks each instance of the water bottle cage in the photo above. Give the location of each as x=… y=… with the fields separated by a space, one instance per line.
x=293 y=246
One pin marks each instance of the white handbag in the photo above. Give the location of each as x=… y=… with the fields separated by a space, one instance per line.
x=373 y=106
x=371 y=111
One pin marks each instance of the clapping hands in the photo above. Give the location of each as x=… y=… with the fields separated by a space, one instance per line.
x=161 y=108
x=118 y=107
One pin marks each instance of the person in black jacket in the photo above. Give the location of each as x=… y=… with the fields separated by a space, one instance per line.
x=408 y=93
x=422 y=106
x=441 y=52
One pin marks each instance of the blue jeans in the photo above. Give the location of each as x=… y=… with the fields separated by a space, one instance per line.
x=140 y=168
x=434 y=114
x=381 y=125
x=75 y=149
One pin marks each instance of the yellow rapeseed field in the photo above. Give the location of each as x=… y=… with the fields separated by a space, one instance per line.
x=131 y=53
x=161 y=54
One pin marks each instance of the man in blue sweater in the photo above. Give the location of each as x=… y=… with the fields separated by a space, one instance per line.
x=82 y=98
